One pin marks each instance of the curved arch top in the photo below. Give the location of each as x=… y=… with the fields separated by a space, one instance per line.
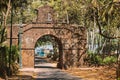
x=51 y=35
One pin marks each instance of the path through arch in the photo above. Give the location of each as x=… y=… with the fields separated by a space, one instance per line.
x=48 y=49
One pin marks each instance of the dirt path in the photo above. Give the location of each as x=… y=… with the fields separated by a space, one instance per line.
x=94 y=73
x=47 y=71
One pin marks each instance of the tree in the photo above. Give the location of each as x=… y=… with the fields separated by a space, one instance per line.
x=107 y=18
x=7 y=9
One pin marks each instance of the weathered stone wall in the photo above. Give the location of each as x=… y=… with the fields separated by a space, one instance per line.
x=71 y=39
x=45 y=14
x=14 y=34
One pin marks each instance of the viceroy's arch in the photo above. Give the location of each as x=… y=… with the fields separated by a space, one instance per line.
x=71 y=38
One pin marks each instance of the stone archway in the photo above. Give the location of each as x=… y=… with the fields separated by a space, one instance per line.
x=57 y=42
x=72 y=38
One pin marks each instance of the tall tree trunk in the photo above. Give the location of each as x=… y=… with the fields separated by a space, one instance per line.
x=101 y=51
x=6 y=13
x=67 y=17
x=4 y=23
x=88 y=39
x=118 y=61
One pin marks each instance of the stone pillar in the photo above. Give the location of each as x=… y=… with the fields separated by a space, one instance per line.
x=28 y=58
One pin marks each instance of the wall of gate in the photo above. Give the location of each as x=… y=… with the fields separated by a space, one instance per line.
x=72 y=38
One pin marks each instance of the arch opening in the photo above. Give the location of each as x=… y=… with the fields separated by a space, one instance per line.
x=48 y=49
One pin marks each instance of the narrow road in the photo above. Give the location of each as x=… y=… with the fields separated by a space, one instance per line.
x=48 y=71
x=54 y=74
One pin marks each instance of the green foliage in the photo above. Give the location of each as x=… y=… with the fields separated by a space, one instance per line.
x=109 y=60
x=14 y=53
x=118 y=79
x=94 y=59
x=3 y=35
x=14 y=60
x=97 y=60
x=49 y=55
x=44 y=40
x=4 y=60
x=55 y=57
x=109 y=47
x=49 y=40
x=4 y=55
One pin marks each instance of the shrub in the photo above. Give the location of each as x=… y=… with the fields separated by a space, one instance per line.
x=49 y=55
x=4 y=60
x=109 y=60
x=55 y=56
x=94 y=59
x=118 y=79
x=97 y=60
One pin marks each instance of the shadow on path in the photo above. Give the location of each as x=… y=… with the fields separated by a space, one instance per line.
x=45 y=71
x=21 y=77
x=45 y=67
x=54 y=79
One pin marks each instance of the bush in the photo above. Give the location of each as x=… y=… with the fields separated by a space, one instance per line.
x=49 y=55
x=109 y=60
x=14 y=57
x=97 y=60
x=55 y=57
x=118 y=79
x=4 y=60
x=94 y=59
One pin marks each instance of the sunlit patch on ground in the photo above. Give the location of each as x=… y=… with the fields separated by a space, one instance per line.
x=98 y=73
